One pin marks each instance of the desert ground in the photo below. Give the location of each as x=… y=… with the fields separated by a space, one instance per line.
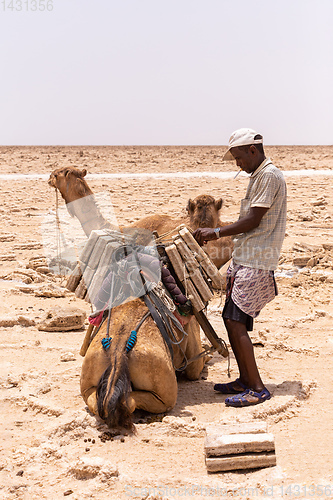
x=51 y=445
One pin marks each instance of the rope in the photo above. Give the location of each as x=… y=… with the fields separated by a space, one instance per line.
x=106 y=341
x=58 y=231
x=160 y=238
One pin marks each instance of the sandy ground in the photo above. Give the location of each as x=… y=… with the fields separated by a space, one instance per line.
x=50 y=444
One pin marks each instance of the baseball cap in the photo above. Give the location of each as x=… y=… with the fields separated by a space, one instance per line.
x=241 y=137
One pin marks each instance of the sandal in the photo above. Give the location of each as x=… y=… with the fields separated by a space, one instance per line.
x=229 y=387
x=248 y=398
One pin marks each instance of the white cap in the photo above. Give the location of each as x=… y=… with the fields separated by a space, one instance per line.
x=241 y=137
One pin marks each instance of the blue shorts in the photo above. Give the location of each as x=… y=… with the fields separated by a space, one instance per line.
x=231 y=311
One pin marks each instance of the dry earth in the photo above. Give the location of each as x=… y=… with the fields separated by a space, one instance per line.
x=51 y=445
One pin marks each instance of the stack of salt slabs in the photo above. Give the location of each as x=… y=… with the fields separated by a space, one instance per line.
x=95 y=262
x=193 y=268
x=239 y=446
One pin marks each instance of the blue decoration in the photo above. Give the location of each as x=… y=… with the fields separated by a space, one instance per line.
x=106 y=343
x=131 y=341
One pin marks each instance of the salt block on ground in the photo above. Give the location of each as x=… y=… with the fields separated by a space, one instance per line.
x=60 y=319
x=239 y=446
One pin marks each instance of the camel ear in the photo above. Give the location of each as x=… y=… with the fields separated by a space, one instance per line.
x=190 y=206
x=83 y=172
x=218 y=204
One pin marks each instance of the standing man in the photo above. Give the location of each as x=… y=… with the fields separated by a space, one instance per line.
x=258 y=237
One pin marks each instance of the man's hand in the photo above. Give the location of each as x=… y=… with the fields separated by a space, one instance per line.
x=204 y=234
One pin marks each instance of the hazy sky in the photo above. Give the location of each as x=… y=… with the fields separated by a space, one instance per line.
x=165 y=72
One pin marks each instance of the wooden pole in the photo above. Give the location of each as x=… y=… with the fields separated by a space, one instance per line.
x=86 y=340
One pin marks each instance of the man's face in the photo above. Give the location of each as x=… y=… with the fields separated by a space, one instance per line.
x=246 y=158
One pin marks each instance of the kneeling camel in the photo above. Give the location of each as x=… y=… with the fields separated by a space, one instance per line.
x=114 y=383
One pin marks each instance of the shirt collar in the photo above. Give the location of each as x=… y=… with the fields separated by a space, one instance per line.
x=261 y=167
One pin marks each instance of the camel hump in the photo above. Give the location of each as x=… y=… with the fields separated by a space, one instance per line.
x=157 y=222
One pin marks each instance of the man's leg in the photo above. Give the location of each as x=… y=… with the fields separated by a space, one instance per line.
x=243 y=350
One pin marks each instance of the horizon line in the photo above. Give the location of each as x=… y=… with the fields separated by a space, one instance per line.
x=148 y=145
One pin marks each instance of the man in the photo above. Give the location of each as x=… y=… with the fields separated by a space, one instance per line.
x=258 y=236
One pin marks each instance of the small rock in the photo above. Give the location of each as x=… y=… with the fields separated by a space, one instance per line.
x=7 y=237
x=87 y=467
x=320 y=313
x=68 y=492
x=13 y=380
x=43 y=389
x=60 y=319
x=67 y=356
x=8 y=256
x=108 y=471
x=319 y=202
x=301 y=261
x=42 y=269
x=312 y=262
x=306 y=217
x=7 y=322
x=26 y=321
x=305 y=247
x=328 y=246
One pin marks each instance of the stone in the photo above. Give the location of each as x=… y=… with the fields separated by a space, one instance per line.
x=328 y=246
x=301 y=261
x=60 y=319
x=319 y=202
x=312 y=262
x=305 y=247
x=8 y=256
x=49 y=291
x=7 y=237
x=87 y=467
x=67 y=356
x=245 y=445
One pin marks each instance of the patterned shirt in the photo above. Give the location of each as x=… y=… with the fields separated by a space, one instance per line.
x=260 y=248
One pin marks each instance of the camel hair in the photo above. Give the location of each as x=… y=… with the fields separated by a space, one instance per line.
x=203 y=211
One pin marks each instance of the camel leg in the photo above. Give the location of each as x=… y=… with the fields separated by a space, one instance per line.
x=193 y=348
x=91 y=400
x=152 y=402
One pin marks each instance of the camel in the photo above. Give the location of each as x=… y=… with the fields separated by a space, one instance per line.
x=203 y=211
x=114 y=384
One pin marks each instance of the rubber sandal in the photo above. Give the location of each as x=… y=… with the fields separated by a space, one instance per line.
x=248 y=398
x=229 y=387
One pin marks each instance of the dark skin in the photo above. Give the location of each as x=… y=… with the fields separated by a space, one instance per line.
x=248 y=159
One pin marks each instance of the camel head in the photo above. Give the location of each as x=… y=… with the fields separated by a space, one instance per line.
x=204 y=211
x=70 y=183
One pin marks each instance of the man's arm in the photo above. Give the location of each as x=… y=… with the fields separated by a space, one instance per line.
x=251 y=220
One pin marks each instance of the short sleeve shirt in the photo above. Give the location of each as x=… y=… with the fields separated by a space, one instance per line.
x=260 y=248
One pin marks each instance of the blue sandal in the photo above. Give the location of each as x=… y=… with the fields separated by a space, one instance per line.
x=229 y=387
x=248 y=398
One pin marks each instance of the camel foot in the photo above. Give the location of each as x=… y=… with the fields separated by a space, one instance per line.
x=92 y=402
